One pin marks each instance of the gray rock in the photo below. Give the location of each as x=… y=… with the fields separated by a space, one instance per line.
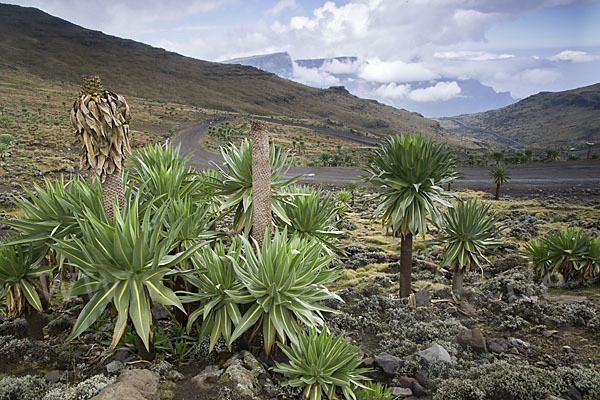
x=133 y=384
x=53 y=376
x=418 y=390
x=208 y=376
x=243 y=370
x=435 y=353
x=159 y=313
x=114 y=366
x=497 y=345
x=401 y=392
x=422 y=298
x=472 y=338
x=388 y=363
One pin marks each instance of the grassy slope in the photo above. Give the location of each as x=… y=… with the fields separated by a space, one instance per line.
x=541 y=121
x=58 y=51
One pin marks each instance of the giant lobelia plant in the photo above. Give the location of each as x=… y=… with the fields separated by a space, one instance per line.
x=101 y=121
x=313 y=214
x=124 y=262
x=235 y=183
x=411 y=173
x=284 y=284
x=19 y=284
x=216 y=286
x=323 y=364
x=468 y=230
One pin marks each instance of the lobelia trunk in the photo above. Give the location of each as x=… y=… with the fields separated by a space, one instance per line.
x=112 y=190
x=458 y=276
x=34 y=324
x=497 y=192
x=261 y=181
x=146 y=354
x=405 y=264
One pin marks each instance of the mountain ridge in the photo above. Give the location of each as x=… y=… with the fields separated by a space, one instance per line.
x=56 y=50
x=545 y=119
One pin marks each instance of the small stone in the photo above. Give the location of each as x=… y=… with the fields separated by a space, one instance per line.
x=423 y=377
x=472 y=338
x=434 y=354
x=406 y=381
x=209 y=374
x=548 y=333
x=497 y=346
x=401 y=392
x=53 y=376
x=423 y=298
x=452 y=310
x=418 y=390
x=159 y=313
x=567 y=349
x=144 y=380
x=388 y=363
x=542 y=364
x=114 y=366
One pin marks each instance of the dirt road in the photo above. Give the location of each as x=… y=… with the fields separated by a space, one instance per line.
x=572 y=177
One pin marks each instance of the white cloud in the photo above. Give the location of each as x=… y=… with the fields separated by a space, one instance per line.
x=466 y=55
x=539 y=76
x=342 y=67
x=441 y=91
x=281 y=6
x=314 y=77
x=574 y=56
x=392 y=91
x=395 y=71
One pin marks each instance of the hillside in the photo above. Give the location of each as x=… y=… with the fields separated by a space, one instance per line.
x=560 y=119
x=35 y=43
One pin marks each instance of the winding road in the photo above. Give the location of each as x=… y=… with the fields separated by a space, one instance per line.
x=535 y=178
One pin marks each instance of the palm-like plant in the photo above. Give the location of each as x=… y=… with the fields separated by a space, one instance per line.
x=468 y=230
x=214 y=277
x=536 y=252
x=4 y=151
x=322 y=364
x=53 y=211
x=285 y=281
x=500 y=175
x=101 y=120
x=124 y=262
x=352 y=188
x=235 y=183
x=314 y=214
x=572 y=253
x=19 y=286
x=411 y=173
x=160 y=175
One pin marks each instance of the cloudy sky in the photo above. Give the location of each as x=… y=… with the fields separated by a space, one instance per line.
x=520 y=46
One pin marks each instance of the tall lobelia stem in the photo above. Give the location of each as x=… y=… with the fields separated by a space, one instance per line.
x=261 y=181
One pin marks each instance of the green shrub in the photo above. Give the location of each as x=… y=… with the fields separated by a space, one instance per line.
x=374 y=391
x=7 y=139
x=572 y=253
x=321 y=364
x=22 y=388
